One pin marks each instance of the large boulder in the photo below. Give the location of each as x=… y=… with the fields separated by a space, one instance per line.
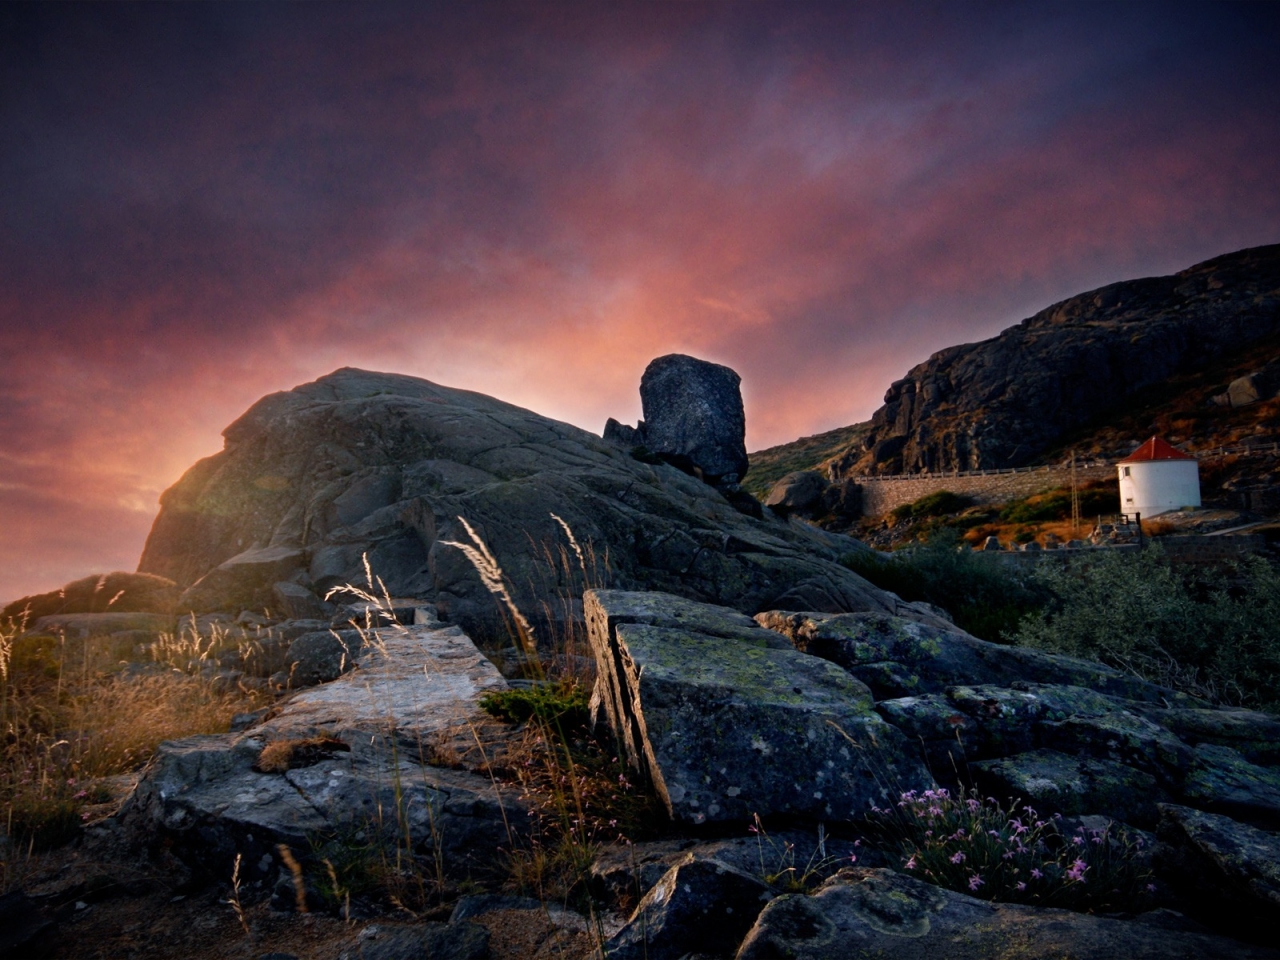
x=693 y=416
x=366 y=466
x=725 y=724
x=100 y=593
x=798 y=492
x=884 y=914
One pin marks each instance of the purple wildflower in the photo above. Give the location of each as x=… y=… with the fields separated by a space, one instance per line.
x=975 y=882
x=957 y=857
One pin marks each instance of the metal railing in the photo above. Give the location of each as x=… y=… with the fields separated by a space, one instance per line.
x=1268 y=448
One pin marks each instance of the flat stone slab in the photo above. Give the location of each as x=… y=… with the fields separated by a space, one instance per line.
x=899 y=657
x=417 y=681
x=725 y=727
x=888 y=915
x=350 y=757
x=100 y=624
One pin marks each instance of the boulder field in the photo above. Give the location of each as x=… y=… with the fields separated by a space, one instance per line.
x=804 y=720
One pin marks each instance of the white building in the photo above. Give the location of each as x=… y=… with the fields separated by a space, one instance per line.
x=1156 y=478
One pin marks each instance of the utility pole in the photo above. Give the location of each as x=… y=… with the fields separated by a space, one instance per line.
x=1075 y=499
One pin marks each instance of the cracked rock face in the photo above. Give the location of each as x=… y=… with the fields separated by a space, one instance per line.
x=359 y=464
x=361 y=745
x=726 y=724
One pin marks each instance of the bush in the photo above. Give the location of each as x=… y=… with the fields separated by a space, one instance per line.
x=562 y=706
x=931 y=505
x=1056 y=505
x=986 y=599
x=1214 y=634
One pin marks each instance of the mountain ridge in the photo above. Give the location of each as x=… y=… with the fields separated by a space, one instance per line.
x=1012 y=398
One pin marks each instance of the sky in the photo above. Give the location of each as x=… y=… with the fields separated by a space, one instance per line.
x=201 y=204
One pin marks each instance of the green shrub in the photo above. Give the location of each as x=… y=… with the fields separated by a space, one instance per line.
x=931 y=505
x=1056 y=505
x=558 y=705
x=986 y=599
x=1211 y=633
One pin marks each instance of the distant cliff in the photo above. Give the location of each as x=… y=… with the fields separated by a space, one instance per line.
x=1004 y=401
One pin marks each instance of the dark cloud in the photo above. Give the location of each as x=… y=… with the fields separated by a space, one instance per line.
x=204 y=203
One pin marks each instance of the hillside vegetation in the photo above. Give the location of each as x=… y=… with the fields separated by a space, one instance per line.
x=808 y=453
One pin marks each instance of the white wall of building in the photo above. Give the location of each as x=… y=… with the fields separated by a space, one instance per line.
x=1151 y=487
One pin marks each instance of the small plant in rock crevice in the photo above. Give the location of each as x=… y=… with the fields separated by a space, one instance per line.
x=780 y=867
x=1010 y=853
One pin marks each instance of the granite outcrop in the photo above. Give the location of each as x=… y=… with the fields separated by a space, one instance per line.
x=1006 y=400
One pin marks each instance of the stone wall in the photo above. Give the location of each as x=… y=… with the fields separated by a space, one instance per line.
x=882 y=494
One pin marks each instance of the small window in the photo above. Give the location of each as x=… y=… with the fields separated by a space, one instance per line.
x=1126 y=471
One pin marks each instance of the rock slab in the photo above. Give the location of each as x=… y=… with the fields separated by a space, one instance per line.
x=725 y=724
x=345 y=756
x=888 y=915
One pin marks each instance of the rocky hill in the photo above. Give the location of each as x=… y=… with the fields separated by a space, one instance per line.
x=357 y=464
x=1006 y=401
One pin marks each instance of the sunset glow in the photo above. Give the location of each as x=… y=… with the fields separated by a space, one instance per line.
x=207 y=203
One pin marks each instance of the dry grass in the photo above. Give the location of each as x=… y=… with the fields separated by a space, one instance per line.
x=1158 y=528
x=72 y=718
x=280 y=756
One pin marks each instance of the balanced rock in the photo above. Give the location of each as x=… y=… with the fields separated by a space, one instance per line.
x=693 y=416
x=365 y=467
x=725 y=724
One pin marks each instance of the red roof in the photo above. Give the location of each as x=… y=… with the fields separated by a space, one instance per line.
x=1156 y=449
